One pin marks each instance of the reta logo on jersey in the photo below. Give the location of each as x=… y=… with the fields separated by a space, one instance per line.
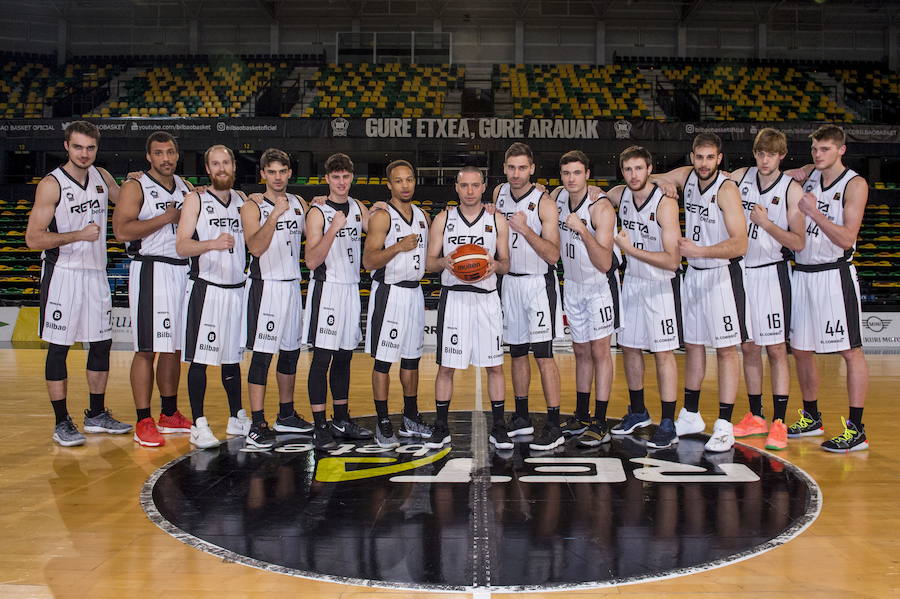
x=749 y=205
x=464 y=239
x=165 y=205
x=703 y=211
x=286 y=225
x=227 y=222
x=632 y=225
x=85 y=207
x=348 y=232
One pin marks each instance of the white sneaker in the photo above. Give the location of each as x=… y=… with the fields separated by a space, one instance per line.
x=689 y=423
x=238 y=425
x=722 y=438
x=201 y=435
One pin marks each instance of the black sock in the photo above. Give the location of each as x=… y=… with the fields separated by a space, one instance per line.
x=755 y=404
x=668 y=410
x=692 y=400
x=442 y=408
x=411 y=406
x=169 y=404
x=553 y=415
x=856 y=417
x=231 y=380
x=257 y=416
x=381 y=408
x=143 y=413
x=811 y=408
x=582 y=405
x=196 y=380
x=341 y=412
x=319 y=418
x=96 y=405
x=636 y=397
x=522 y=406
x=59 y=409
x=286 y=409
x=725 y=411
x=779 y=407
x=497 y=411
x=600 y=410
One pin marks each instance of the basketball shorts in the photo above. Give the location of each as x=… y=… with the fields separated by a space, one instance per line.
x=396 y=322
x=332 y=315
x=592 y=310
x=532 y=312
x=273 y=316
x=651 y=313
x=155 y=294
x=469 y=329
x=825 y=309
x=714 y=306
x=76 y=305
x=769 y=302
x=212 y=324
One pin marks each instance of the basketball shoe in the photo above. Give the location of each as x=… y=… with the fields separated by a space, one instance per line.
x=414 y=427
x=809 y=425
x=384 y=434
x=852 y=439
x=778 y=436
x=104 y=423
x=238 y=425
x=295 y=423
x=631 y=422
x=176 y=423
x=664 y=436
x=574 y=426
x=751 y=426
x=596 y=434
x=146 y=433
x=201 y=435
x=260 y=435
x=66 y=433
x=440 y=436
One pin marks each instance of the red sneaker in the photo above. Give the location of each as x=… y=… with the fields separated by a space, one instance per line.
x=176 y=423
x=146 y=434
x=751 y=426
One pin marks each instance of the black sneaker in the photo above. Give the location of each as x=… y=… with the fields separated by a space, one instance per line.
x=322 y=438
x=551 y=436
x=414 y=427
x=440 y=436
x=519 y=425
x=852 y=439
x=293 y=424
x=260 y=435
x=575 y=425
x=664 y=436
x=500 y=438
x=596 y=434
x=809 y=425
x=384 y=434
x=348 y=429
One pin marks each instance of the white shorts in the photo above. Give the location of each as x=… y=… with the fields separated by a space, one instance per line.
x=332 y=315
x=769 y=302
x=155 y=294
x=76 y=305
x=212 y=324
x=532 y=312
x=469 y=328
x=592 y=310
x=651 y=313
x=273 y=316
x=395 y=327
x=714 y=306
x=825 y=310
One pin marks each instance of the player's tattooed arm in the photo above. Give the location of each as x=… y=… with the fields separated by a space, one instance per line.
x=37 y=237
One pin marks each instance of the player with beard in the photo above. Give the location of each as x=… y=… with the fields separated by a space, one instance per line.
x=68 y=223
x=395 y=253
x=713 y=297
x=651 y=298
x=146 y=218
x=210 y=234
x=273 y=306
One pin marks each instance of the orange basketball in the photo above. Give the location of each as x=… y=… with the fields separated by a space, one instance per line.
x=470 y=262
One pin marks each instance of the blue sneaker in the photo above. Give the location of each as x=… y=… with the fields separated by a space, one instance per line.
x=631 y=422
x=664 y=436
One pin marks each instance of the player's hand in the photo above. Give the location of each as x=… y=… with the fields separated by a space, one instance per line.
x=490 y=208
x=173 y=212
x=281 y=206
x=623 y=240
x=759 y=215
x=595 y=193
x=518 y=222
x=540 y=187
x=574 y=223
x=446 y=263
x=256 y=197
x=338 y=221
x=491 y=269
x=134 y=175
x=319 y=200
x=669 y=189
x=409 y=243
x=380 y=205
x=225 y=241
x=689 y=249
x=90 y=233
x=198 y=189
x=807 y=204
x=797 y=174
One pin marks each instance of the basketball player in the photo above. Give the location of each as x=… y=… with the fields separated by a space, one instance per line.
x=146 y=217
x=273 y=307
x=395 y=253
x=775 y=229
x=210 y=234
x=68 y=223
x=469 y=314
x=826 y=304
x=651 y=299
x=331 y=326
x=713 y=298
x=587 y=231
x=532 y=317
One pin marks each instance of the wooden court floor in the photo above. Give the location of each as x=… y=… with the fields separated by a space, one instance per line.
x=72 y=525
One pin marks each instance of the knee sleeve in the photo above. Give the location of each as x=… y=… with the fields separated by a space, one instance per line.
x=287 y=361
x=409 y=363
x=518 y=350
x=98 y=355
x=55 y=367
x=318 y=372
x=382 y=367
x=544 y=349
x=339 y=376
x=259 y=368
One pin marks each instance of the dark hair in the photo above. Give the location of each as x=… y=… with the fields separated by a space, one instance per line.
x=338 y=162
x=519 y=149
x=575 y=156
x=830 y=133
x=635 y=152
x=216 y=147
x=395 y=164
x=274 y=155
x=83 y=127
x=707 y=139
x=160 y=137
x=470 y=169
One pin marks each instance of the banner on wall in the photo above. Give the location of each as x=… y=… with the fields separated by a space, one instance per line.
x=881 y=330
x=8 y=318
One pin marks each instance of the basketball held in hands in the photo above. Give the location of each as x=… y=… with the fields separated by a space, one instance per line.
x=470 y=262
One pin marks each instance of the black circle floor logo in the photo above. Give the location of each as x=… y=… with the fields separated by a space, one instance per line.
x=468 y=516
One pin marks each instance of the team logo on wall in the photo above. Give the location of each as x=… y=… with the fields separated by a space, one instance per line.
x=623 y=129
x=340 y=127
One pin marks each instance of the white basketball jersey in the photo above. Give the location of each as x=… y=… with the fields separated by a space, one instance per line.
x=220 y=267
x=458 y=231
x=830 y=200
x=645 y=232
x=343 y=260
x=281 y=261
x=77 y=207
x=762 y=248
x=703 y=220
x=577 y=264
x=523 y=260
x=156 y=198
x=405 y=266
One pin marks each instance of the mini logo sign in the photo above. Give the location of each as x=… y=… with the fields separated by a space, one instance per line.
x=623 y=129
x=339 y=127
x=876 y=324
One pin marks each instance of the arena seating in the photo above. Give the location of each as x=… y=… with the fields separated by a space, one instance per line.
x=873 y=89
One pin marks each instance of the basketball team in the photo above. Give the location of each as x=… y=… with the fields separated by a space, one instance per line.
x=769 y=266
